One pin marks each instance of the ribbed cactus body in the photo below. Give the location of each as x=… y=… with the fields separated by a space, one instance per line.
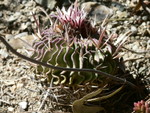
x=81 y=53
x=73 y=41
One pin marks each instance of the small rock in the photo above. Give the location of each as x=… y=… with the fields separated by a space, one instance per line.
x=134 y=30
x=8 y=36
x=24 y=1
x=137 y=37
x=14 y=17
x=3 y=53
x=126 y=22
x=143 y=43
x=19 y=42
x=23 y=26
x=117 y=6
x=144 y=18
x=109 y=26
x=141 y=69
x=10 y=109
x=143 y=24
x=93 y=9
x=121 y=14
x=135 y=46
x=23 y=105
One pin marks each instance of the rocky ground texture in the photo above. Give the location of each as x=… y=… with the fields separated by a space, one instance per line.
x=19 y=90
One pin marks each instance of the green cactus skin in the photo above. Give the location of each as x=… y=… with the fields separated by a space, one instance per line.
x=74 y=54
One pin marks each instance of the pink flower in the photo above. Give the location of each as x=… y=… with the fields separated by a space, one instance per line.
x=74 y=21
x=73 y=16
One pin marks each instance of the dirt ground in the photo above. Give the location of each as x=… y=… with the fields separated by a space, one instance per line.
x=20 y=91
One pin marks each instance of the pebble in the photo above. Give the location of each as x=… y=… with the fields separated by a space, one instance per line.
x=93 y=9
x=14 y=17
x=117 y=6
x=22 y=42
x=10 y=109
x=126 y=22
x=143 y=43
x=134 y=30
x=3 y=53
x=23 y=26
x=23 y=105
x=132 y=38
x=8 y=36
x=143 y=24
x=109 y=26
x=137 y=37
x=24 y=1
x=135 y=47
x=121 y=14
x=141 y=69
x=144 y=18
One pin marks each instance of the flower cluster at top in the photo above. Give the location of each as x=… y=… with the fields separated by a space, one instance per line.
x=73 y=21
x=74 y=16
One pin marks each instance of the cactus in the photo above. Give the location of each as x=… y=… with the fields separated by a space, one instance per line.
x=74 y=42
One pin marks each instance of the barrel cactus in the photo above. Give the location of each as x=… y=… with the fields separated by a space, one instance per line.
x=73 y=41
